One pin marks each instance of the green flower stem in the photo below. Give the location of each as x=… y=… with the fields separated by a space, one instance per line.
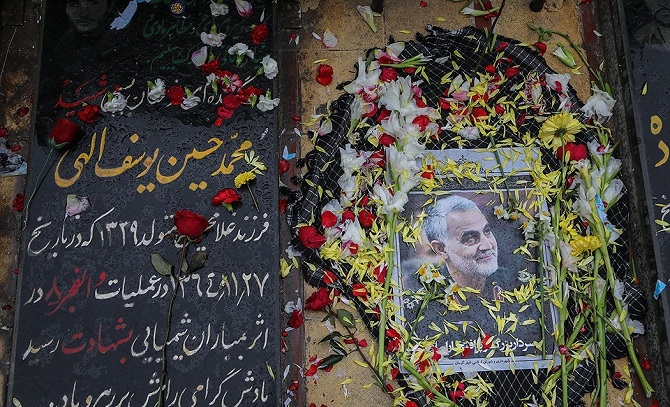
x=602 y=236
x=604 y=86
x=560 y=279
x=413 y=62
x=600 y=331
x=390 y=235
x=624 y=323
x=350 y=333
x=426 y=385
x=510 y=198
x=424 y=303
x=176 y=279
x=542 y=301
x=253 y=198
x=21 y=226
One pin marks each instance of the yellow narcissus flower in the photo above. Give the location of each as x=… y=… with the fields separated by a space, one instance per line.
x=243 y=178
x=584 y=243
x=558 y=130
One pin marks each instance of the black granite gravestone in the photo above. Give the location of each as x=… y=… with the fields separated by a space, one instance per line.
x=92 y=315
x=648 y=26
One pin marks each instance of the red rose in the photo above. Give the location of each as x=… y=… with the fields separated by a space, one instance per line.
x=466 y=352
x=490 y=69
x=210 y=67
x=224 y=113
x=63 y=134
x=89 y=113
x=247 y=92
x=502 y=46
x=310 y=237
x=383 y=114
x=259 y=33
x=393 y=345
x=366 y=218
x=479 y=113
x=348 y=215
x=512 y=71
x=388 y=74
x=380 y=273
x=421 y=121
x=18 y=202
x=284 y=166
x=324 y=74
x=386 y=140
x=487 y=341
x=231 y=102
x=319 y=300
x=190 y=224
x=574 y=151
x=329 y=277
x=176 y=94
x=541 y=47
x=359 y=290
x=328 y=219
x=296 y=319
x=226 y=197
x=324 y=70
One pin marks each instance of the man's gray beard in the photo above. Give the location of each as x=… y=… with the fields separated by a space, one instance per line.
x=470 y=268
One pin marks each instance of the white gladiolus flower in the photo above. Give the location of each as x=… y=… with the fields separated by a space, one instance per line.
x=600 y=105
x=353 y=232
x=558 y=81
x=348 y=185
x=391 y=203
x=366 y=13
x=366 y=82
x=612 y=169
x=350 y=160
x=613 y=192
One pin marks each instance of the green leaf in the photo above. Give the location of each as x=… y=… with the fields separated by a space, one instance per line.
x=197 y=261
x=346 y=318
x=16 y=402
x=184 y=266
x=330 y=361
x=161 y=265
x=332 y=335
x=338 y=347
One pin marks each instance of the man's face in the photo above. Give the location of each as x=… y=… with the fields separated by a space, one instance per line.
x=470 y=246
x=86 y=15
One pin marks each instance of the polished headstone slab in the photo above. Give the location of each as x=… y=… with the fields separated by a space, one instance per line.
x=92 y=314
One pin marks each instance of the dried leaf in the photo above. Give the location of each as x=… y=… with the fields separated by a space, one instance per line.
x=197 y=261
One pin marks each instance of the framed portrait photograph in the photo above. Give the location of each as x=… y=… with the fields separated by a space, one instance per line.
x=465 y=287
